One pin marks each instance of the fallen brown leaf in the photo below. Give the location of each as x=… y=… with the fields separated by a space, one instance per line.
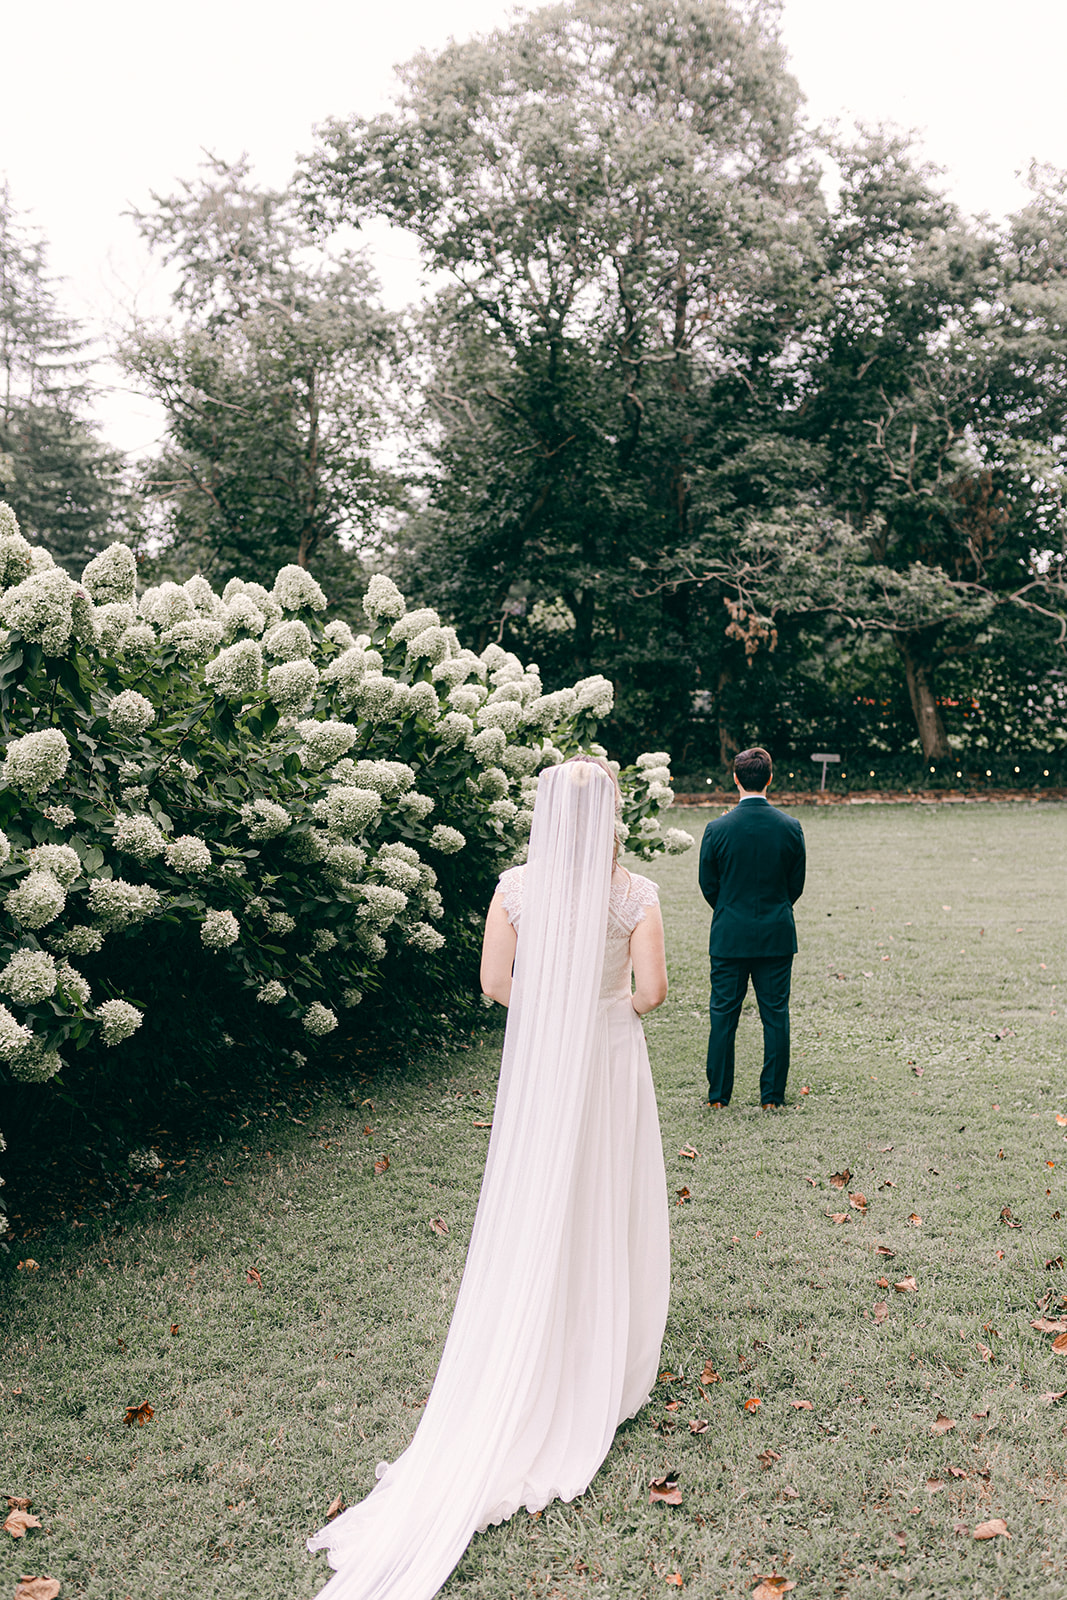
x=984 y=1351
x=698 y=1425
x=673 y=1405
x=884 y=1250
x=956 y=1472
x=906 y=1286
x=772 y=1585
x=1050 y=1396
x=802 y=1405
x=139 y=1414
x=254 y=1277
x=942 y=1424
x=381 y=1165
x=978 y=1415
x=914 y=1220
x=29 y=1265
x=676 y=1579
x=880 y=1312
x=16 y=1502
x=438 y=1225
x=882 y=1283
x=838 y=1180
x=1006 y=1217
x=962 y=1529
x=665 y=1491
x=813 y=1181
x=709 y=1375
x=1054 y=1265
x=175 y=1329
x=753 y=1403
x=837 y=1217
x=787 y=1492
x=688 y=1152
x=858 y=1202
x=335 y=1507
x=767 y=1458
x=488 y=1124
x=683 y=1195
x=995 y=1528
x=41 y=1588
x=17 y=1522
x=1059 y=1344
x=901 y=1538
x=934 y=1485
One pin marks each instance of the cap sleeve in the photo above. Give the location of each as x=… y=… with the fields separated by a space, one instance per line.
x=643 y=893
x=509 y=888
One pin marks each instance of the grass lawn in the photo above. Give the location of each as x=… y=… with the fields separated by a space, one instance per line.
x=924 y=934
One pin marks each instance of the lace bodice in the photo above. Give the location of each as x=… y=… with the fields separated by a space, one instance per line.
x=628 y=897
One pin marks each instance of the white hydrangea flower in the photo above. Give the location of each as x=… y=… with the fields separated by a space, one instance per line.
x=520 y=760
x=294 y=587
x=346 y=810
x=416 y=807
x=506 y=715
x=14 y=1036
x=52 y=610
x=135 y=795
x=143 y=1161
x=195 y=640
x=454 y=671
x=677 y=841
x=237 y=671
x=5 y=848
x=59 y=859
x=264 y=819
x=432 y=904
x=130 y=713
x=383 y=599
x=493 y=783
x=656 y=774
x=139 y=640
x=319 y=1019
x=423 y=937
x=523 y=820
x=118 y=904
x=381 y=904
x=271 y=993
x=119 y=1020
x=396 y=872
x=414 y=622
x=351 y=997
x=488 y=746
x=281 y=922
x=16 y=553
x=37 y=900
x=494 y=657
x=165 y=605
x=188 y=854
x=344 y=861
x=219 y=929
x=466 y=698
x=80 y=940
x=33 y=1062
x=323 y=939
x=379 y=698
x=111 y=577
x=653 y=758
x=113 y=619
x=41 y=560
x=622 y=832
x=324 y=742
x=446 y=840
x=453 y=728
x=266 y=602
x=72 y=985
x=595 y=694
x=348 y=669
x=29 y=976
x=309 y=847
x=292 y=685
x=660 y=794
x=138 y=837
x=429 y=645
x=36 y=760
x=504 y=810
x=549 y=710
x=288 y=641
x=423 y=701
x=241 y=615
x=205 y=600
x=389 y=778
x=339 y=632
x=372 y=944
x=58 y=816
x=506 y=691
x=648 y=828
x=550 y=755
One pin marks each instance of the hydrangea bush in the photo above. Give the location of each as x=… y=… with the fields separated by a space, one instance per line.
x=219 y=794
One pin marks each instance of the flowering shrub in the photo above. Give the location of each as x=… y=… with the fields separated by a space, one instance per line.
x=213 y=795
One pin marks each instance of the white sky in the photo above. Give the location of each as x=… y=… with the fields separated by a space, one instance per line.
x=103 y=102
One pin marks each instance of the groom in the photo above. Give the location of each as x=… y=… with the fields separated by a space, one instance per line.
x=751 y=874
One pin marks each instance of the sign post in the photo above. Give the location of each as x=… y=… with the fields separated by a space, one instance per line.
x=825 y=759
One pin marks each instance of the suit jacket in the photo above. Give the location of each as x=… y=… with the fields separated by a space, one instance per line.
x=751 y=873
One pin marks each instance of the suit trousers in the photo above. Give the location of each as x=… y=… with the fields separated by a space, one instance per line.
x=729 y=984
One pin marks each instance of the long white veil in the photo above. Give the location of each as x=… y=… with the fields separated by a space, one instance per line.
x=478 y=1453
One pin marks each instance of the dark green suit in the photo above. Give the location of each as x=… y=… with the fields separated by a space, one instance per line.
x=751 y=874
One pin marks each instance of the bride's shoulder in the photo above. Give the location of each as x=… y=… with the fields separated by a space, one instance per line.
x=645 y=891
x=509 y=888
x=631 y=893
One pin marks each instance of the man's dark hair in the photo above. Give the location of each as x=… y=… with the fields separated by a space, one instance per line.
x=753 y=768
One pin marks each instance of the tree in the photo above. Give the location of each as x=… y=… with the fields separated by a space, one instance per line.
x=620 y=198
x=272 y=376
x=61 y=481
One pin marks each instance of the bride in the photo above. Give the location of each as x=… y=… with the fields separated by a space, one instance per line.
x=556 y=1334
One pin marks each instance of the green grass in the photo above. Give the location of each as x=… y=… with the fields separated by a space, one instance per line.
x=270 y=1400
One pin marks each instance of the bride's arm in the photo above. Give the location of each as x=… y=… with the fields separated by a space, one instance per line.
x=649 y=961
x=498 y=953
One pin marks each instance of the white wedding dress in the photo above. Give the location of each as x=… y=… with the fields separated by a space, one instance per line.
x=556 y=1334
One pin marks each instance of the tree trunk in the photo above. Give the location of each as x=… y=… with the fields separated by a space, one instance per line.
x=728 y=742
x=931 y=728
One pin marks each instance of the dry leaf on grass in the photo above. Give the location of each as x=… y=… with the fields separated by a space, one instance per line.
x=837 y=1217
x=882 y=1283
x=884 y=1250
x=995 y=1528
x=673 y=1405
x=767 y=1458
x=665 y=1491
x=17 y=1522
x=1050 y=1396
x=482 y=1124
x=858 y=1202
x=838 y=1180
x=906 y=1286
x=1061 y=1120
x=1006 y=1217
x=962 y=1529
x=41 y=1588
x=956 y=1472
x=683 y=1196
x=942 y=1424
x=139 y=1414
x=880 y=1312
x=16 y=1502
x=1055 y=1264
x=1059 y=1344
x=709 y=1375
x=381 y=1165
x=934 y=1485
x=914 y=1220
x=753 y=1403
x=772 y=1585
x=984 y=1351
x=688 y=1152
x=438 y=1225
x=254 y=1277
x=676 y=1579
x=698 y=1425
x=901 y=1537
x=335 y=1507
x=29 y=1265
x=802 y=1405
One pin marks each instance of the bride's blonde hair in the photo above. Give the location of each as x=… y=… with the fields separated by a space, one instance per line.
x=605 y=766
